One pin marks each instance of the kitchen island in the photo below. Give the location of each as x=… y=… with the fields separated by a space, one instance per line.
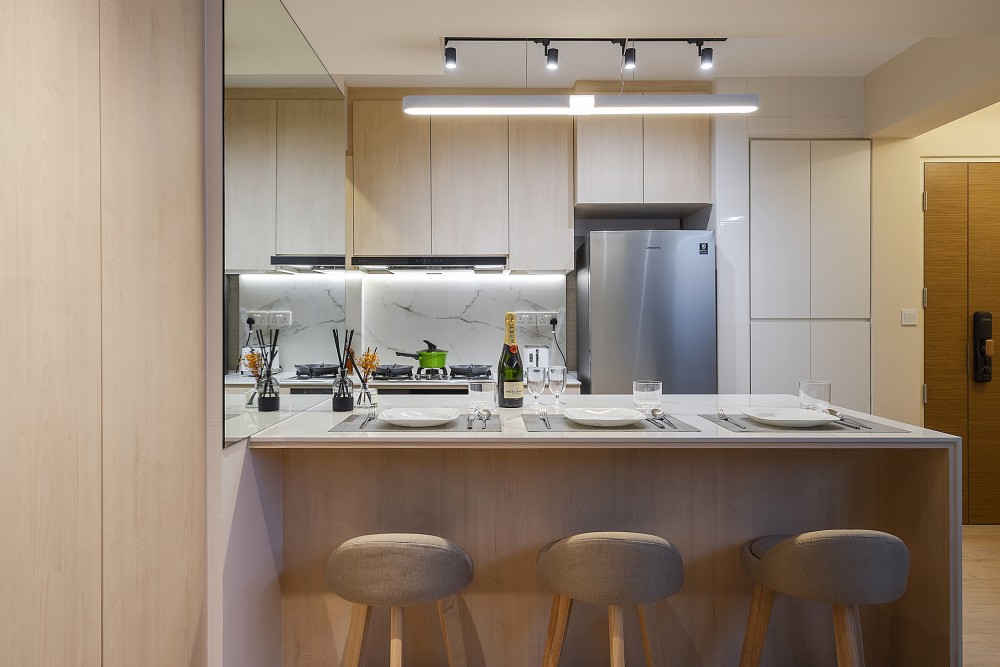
x=299 y=490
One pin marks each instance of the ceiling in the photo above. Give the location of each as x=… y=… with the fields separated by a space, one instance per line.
x=766 y=38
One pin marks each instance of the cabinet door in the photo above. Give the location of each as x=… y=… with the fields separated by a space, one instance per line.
x=779 y=356
x=841 y=353
x=469 y=186
x=779 y=229
x=311 y=142
x=676 y=156
x=249 y=184
x=608 y=159
x=841 y=229
x=541 y=194
x=392 y=180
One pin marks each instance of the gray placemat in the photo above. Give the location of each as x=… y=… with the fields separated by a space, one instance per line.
x=351 y=424
x=832 y=427
x=534 y=424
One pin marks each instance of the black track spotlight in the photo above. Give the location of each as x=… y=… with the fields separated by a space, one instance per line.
x=629 y=60
x=706 y=57
x=551 y=58
x=450 y=57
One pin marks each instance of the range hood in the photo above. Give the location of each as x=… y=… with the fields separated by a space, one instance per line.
x=307 y=263
x=430 y=263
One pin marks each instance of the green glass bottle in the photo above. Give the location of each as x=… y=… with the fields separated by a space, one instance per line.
x=510 y=370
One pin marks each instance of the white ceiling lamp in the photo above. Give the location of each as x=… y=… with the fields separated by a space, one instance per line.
x=576 y=105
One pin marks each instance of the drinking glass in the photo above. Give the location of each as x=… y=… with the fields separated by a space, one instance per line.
x=535 y=377
x=647 y=394
x=814 y=395
x=482 y=394
x=557 y=382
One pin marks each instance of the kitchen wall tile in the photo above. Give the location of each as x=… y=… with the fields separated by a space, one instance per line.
x=734 y=360
x=731 y=85
x=732 y=148
x=460 y=313
x=317 y=302
x=732 y=238
x=827 y=96
x=775 y=95
x=828 y=126
x=732 y=194
x=768 y=126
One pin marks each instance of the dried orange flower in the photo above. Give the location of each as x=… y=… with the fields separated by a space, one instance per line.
x=368 y=363
x=254 y=363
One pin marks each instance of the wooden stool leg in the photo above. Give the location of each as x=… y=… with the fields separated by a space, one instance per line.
x=847 y=628
x=650 y=635
x=760 y=614
x=558 y=619
x=616 y=633
x=395 y=637
x=360 y=613
x=451 y=629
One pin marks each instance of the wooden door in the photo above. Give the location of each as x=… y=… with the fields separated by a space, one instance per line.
x=962 y=275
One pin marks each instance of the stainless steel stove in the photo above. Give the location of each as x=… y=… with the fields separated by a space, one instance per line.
x=472 y=371
x=432 y=374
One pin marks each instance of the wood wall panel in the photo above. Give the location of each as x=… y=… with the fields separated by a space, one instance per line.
x=50 y=259
x=504 y=505
x=984 y=294
x=153 y=227
x=946 y=326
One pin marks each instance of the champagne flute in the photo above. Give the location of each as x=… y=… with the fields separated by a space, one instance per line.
x=557 y=383
x=535 y=376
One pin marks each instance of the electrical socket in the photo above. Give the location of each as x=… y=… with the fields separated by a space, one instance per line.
x=545 y=317
x=279 y=318
x=527 y=319
x=259 y=317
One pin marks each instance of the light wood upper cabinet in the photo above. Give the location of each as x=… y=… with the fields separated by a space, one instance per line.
x=250 y=167
x=392 y=180
x=643 y=159
x=469 y=185
x=541 y=194
x=676 y=159
x=609 y=159
x=311 y=142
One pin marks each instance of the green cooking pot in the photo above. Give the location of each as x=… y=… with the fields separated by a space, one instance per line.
x=432 y=357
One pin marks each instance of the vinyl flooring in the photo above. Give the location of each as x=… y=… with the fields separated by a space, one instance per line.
x=981 y=595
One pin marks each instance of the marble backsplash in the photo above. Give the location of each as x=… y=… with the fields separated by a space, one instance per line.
x=461 y=313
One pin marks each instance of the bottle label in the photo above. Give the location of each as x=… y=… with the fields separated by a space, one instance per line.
x=513 y=390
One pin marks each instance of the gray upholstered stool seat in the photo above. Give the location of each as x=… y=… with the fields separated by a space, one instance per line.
x=845 y=568
x=612 y=568
x=398 y=570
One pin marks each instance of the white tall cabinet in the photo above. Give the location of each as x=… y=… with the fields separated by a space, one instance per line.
x=810 y=259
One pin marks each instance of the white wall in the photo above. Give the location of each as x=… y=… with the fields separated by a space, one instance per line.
x=897 y=252
x=799 y=107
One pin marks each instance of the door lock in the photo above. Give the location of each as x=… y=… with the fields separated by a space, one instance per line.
x=982 y=346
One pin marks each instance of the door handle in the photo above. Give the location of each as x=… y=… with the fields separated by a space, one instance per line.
x=982 y=346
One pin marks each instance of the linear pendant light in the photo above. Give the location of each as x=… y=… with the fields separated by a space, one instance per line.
x=576 y=105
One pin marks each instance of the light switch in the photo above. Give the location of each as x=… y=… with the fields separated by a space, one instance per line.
x=908 y=317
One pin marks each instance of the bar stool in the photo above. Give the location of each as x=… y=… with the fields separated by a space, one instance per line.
x=615 y=569
x=397 y=570
x=845 y=568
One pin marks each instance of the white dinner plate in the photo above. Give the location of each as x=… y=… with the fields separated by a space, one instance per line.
x=419 y=417
x=794 y=417
x=603 y=416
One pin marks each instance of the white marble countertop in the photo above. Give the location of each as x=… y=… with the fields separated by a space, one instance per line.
x=311 y=428
x=242 y=421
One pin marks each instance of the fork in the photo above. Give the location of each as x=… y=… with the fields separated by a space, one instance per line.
x=370 y=416
x=544 y=416
x=722 y=415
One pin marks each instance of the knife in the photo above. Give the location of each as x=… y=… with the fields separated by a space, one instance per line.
x=656 y=423
x=545 y=418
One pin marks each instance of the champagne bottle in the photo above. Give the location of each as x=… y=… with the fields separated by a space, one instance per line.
x=510 y=370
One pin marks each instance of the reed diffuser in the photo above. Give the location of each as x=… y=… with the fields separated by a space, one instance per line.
x=268 y=387
x=343 y=387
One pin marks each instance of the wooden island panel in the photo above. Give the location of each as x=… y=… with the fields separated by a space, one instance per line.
x=503 y=505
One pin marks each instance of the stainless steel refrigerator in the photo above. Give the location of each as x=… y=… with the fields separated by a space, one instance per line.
x=646 y=311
